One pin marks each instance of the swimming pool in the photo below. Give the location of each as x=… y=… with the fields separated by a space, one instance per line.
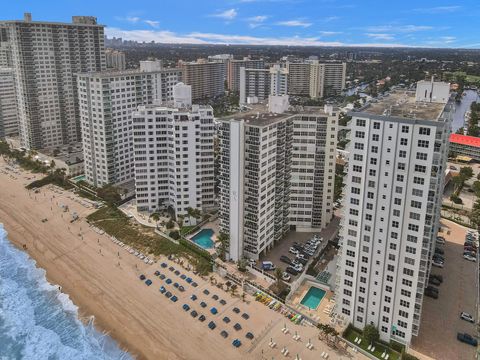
x=313 y=297
x=204 y=239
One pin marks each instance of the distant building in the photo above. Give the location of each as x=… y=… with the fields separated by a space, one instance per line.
x=233 y=71
x=278 y=80
x=254 y=83
x=206 y=78
x=5 y=48
x=174 y=158
x=224 y=59
x=182 y=95
x=327 y=78
x=46 y=56
x=466 y=146
x=115 y=59
x=298 y=78
x=107 y=131
x=8 y=103
x=276 y=174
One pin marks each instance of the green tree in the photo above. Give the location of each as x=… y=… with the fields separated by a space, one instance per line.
x=278 y=276
x=170 y=224
x=224 y=240
x=155 y=216
x=109 y=194
x=370 y=334
x=476 y=188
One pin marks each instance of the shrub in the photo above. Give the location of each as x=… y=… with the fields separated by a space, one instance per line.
x=170 y=224
x=456 y=199
x=370 y=334
x=175 y=235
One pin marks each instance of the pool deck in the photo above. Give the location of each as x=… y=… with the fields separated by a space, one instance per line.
x=320 y=313
x=212 y=250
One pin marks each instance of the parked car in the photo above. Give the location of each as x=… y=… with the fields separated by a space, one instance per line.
x=471 y=253
x=202 y=318
x=439 y=251
x=432 y=294
x=438 y=277
x=467 y=339
x=437 y=264
x=292 y=250
x=286 y=277
x=469 y=257
x=439 y=258
x=440 y=240
x=434 y=281
x=285 y=259
x=467 y=317
x=431 y=288
x=291 y=271
x=470 y=249
x=268 y=265
x=302 y=261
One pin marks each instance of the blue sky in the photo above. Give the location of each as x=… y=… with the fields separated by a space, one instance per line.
x=427 y=23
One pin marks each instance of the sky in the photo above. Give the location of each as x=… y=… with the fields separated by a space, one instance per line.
x=427 y=23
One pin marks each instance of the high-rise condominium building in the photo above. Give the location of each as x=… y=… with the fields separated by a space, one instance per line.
x=174 y=158
x=327 y=78
x=221 y=58
x=107 y=100
x=46 y=56
x=278 y=80
x=254 y=83
x=276 y=173
x=396 y=164
x=115 y=59
x=233 y=71
x=206 y=78
x=8 y=103
x=298 y=78
x=5 y=50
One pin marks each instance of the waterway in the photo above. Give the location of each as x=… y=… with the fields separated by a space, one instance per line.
x=462 y=107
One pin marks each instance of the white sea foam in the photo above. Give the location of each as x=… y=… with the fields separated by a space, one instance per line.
x=37 y=321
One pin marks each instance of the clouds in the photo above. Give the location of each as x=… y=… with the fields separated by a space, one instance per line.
x=229 y=14
x=438 y=9
x=378 y=36
x=295 y=23
x=137 y=20
x=153 y=23
x=256 y=21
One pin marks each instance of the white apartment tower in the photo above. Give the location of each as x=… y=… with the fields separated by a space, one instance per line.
x=46 y=57
x=397 y=156
x=115 y=59
x=174 y=158
x=276 y=174
x=278 y=80
x=233 y=71
x=327 y=78
x=8 y=103
x=107 y=100
x=254 y=83
x=205 y=77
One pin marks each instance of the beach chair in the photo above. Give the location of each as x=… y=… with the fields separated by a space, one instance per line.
x=286 y=352
x=359 y=341
x=356 y=339
x=373 y=348
x=326 y=356
x=369 y=347
x=383 y=355
x=323 y=354
x=386 y=357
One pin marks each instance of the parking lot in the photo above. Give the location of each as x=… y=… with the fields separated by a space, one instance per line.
x=441 y=321
x=284 y=245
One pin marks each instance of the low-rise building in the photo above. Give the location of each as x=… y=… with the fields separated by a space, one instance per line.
x=466 y=146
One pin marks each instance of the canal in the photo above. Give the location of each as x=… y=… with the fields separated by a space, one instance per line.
x=462 y=107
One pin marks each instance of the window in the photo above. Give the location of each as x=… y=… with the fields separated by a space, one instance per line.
x=411 y=238
x=409 y=261
x=400 y=178
x=405 y=303
x=358 y=146
x=354 y=201
x=421 y=156
x=407 y=282
x=406 y=293
x=398 y=189
x=410 y=250
x=361 y=122
x=397 y=201
x=417 y=180
x=414 y=216
x=357 y=168
x=421 y=168
x=403 y=314
x=355 y=190
x=369 y=206
x=424 y=131
x=417 y=192
x=357 y=157
x=407 y=271
x=360 y=134
x=356 y=179
x=393 y=246
x=416 y=204
x=375 y=149
x=375 y=137
x=405 y=129
x=413 y=227
x=423 y=143
x=373 y=161
x=403 y=141
x=396 y=212
x=376 y=125
x=401 y=166
x=402 y=154
x=372 y=172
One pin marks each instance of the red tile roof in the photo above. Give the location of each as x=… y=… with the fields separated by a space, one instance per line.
x=465 y=140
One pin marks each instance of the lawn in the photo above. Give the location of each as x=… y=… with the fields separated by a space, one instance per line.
x=143 y=238
x=352 y=334
x=187 y=229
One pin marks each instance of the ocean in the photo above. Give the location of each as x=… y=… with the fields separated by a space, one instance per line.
x=39 y=322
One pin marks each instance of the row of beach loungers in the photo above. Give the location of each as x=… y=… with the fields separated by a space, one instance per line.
x=279 y=307
x=132 y=251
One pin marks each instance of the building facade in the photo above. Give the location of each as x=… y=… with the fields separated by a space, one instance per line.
x=45 y=57
x=206 y=78
x=233 y=71
x=396 y=164
x=464 y=145
x=327 y=79
x=107 y=100
x=174 y=158
x=298 y=78
x=115 y=59
x=8 y=103
x=278 y=80
x=276 y=173
x=254 y=83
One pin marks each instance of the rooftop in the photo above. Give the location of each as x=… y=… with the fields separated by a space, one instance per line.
x=401 y=103
x=258 y=114
x=465 y=140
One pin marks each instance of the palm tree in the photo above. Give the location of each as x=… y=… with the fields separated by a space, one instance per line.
x=224 y=239
x=155 y=216
x=233 y=289
x=278 y=276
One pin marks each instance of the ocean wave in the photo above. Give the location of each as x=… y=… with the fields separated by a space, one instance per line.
x=37 y=321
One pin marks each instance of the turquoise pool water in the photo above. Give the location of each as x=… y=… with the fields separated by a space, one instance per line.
x=79 y=178
x=204 y=239
x=313 y=297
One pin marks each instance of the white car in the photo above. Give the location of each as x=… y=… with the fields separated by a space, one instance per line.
x=437 y=264
x=294 y=251
x=440 y=240
x=467 y=317
x=469 y=257
x=298 y=267
x=286 y=277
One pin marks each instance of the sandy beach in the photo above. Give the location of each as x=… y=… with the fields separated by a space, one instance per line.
x=102 y=280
